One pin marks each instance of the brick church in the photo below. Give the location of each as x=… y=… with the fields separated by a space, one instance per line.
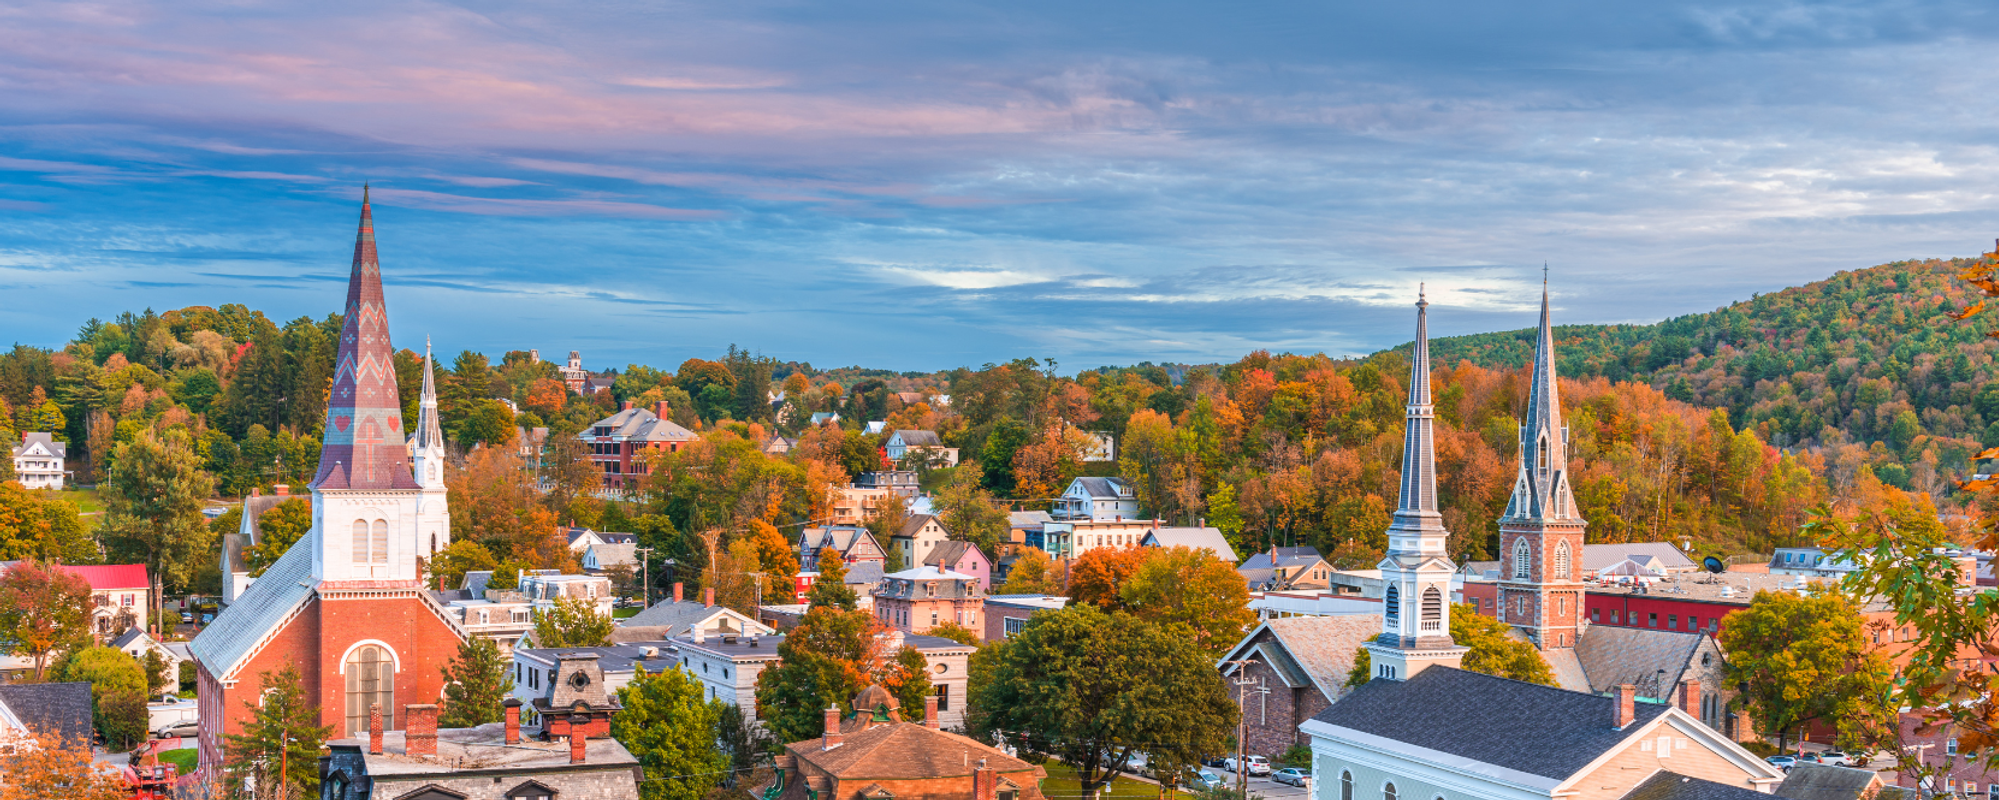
x=347 y=605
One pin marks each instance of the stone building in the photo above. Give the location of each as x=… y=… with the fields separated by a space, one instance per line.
x=1299 y=667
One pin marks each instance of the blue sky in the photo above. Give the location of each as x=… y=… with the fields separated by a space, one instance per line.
x=920 y=185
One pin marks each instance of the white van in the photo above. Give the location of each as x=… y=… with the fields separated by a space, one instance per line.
x=163 y=719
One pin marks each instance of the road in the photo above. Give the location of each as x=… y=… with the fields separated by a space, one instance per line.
x=1262 y=787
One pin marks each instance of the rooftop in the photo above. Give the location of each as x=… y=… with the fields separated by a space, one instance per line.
x=1046 y=601
x=485 y=748
x=1734 y=588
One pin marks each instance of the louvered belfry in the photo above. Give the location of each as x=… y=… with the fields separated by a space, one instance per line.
x=363 y=447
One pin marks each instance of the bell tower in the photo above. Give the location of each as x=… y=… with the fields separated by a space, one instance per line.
x=1541 y=533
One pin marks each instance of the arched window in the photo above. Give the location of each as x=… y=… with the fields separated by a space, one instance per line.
x=1433 y=609
x=1346 y=786
x=433 y=543
x=1562 y=562
x=1543 y=451
x=1522 y=559
x=360 y=541
x=378 y=545
x=1391 y=605
x=371 y=678
x=1388 y=792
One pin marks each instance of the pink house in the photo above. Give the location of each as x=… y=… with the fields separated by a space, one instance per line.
x=963 y=558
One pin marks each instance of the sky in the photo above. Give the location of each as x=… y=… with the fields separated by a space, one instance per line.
x=926 y=185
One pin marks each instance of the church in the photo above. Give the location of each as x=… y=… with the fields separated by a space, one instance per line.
x=347 y=605
x=1424 y=729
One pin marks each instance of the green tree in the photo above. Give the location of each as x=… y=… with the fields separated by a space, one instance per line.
x=280 y=527
x=672 y=730
x=475 y=684
x=969 y=514
x=745 y=742
x=489 y=423
x=1194 y=590
x=280 y=744
x=1492 y=651
x=1032 y=573
x=830 y=589
x=153 y=502
x=830 y=657
x=43 y=610
x=572 y=622
x=1007 y=437
x=1092 y=688
x=114 y=679
x=1804 y=659
x=448 y=566
x=955 y=632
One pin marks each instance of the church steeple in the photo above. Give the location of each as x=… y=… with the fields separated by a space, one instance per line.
x=427 y=441
x=1416 y=572
x=1541 y=533
x=363 y=445
x=1541 y=489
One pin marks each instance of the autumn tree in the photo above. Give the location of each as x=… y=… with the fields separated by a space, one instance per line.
x=1044 y=467
x=475 y=684
x=1032 y=573
x=1192 y=589
x=670 y=726
x=777 y=558
x=280 y=527
x=280 y=743
x=41 y=526
x=1099 y=576
x=1491 y=652
x=969 y=513
x=1805 y=659
x=449 y=565
x=830 y=589
x=153 y=502
x=830 y=657
x=495 y=503
x=572 y=622
x=57 y=767
x=43 y=609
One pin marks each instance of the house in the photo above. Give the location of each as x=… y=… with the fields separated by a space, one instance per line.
x=902 y=482
x=598 y=384
x=542 y=587
x=854 y=505
x=572 y=755
x=538 y=671
x=62 y=710
x=120 y=596
x=963 y=558
x=1007 y=614
x=38 y=461
x=862 y=578
x=601 y=557
x=136 y=642
x=235 y=571
x=1197 y=538
x=347 y=606
x=670 y=618
x=529 y=444
x=919 y=447
x=1299 y=667
x=582 y=539
x=1102 y=446
x=824 y=417
x=1655 y=662
x=622 y=444
x=916 y=600
x=854 y=544
x=1814 y=562
x=1809 y=780
x=920 y=534
x=874 y=754
x=1097 y=499
x=1286 y=568
x=780 y=445
x=573 y=373
x=502 y=616
x=1074 y=538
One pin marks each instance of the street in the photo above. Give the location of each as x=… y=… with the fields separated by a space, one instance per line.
x=1258 y=786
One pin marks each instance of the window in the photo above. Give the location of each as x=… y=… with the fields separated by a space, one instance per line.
x=1388 y=792
x=378 y=546
x=531 y=791
x=1594 y=615
x=943 y=697
x=1010 y=626
x=1950 y=747
x=1543 y=450
x=1652 y=620
x=371 y=680
x=1561 y=562
x=360 y=541
x=1391 y=606
x=1346 y=786
x=1433 y=609
x=1522 y=559
x=1672 y=622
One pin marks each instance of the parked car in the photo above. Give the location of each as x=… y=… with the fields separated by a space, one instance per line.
x=207 y=618
x=1784 y=763
x=1205 y=780
x=1835 y=758
x=182 y=728
x=1255 y=765
x=1215 y=761
x=1295 y=776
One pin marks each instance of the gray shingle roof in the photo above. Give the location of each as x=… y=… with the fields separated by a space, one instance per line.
x=1196 y=538
x=1106 y=488
x=1321 y=649
x=1809 y=781
x=1673 y=786
x=1599 y=556
x=947 y=554
x=668 y=614
x=1482 y=718
x=240 y=629
x=920 y=438
x=1612 y=655
x=59 y=708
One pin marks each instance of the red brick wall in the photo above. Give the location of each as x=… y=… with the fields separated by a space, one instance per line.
x=1271 y=720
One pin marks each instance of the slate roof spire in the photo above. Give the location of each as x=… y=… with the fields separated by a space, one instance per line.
x=1419 y=438
x=363 y=446
x=428 y=433
x=1541 y=490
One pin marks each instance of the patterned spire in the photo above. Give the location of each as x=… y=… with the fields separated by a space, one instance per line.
x=428 y=434
x=1541 y=490
x=363 y=446
x=1419 y=441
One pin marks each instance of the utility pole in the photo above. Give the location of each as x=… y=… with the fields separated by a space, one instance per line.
x=645 y=573
x=1242 y=682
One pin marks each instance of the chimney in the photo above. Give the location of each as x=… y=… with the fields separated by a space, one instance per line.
x=661 y=408
x=1690 y=697
x=255 y=492
x=1626 y=709
x=420 y=730
x=374 y=729
x=831 y=738
x=513 y=706
x=930 y=711
x=708 y=596
x=626 y=406
x=985 y=782
x=700 y=634
x=281 y=490
x=676 y=591
x=579 y=740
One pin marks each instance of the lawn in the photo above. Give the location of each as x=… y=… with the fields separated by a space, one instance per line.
x=623 y=613
x=1061 y=785
x=85 y=499
x=184 y=759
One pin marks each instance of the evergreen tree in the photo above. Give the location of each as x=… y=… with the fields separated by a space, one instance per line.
x=153 y=503
x=475 y=684
x=672 y=730
x=830 y=590
x=280 y=744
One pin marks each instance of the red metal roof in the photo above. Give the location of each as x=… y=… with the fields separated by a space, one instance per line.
x=111 y=576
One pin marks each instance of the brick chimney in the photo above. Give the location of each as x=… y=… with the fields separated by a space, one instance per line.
x=420 y=730
x=579 y=739
x=831 y=738
x=255 y=492
x=625 y=406
x=985 y=782
x=708 y=596
x=1690 y=697
x=930 y=711
x=1626 y=708
x=281 y=490
x=676 y=591
x=662 y=409
x=513 y=706
x=375 y=729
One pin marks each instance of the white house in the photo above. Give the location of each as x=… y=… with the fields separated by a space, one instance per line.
x=1097 y=499
x=923 y=444
x=38 y=461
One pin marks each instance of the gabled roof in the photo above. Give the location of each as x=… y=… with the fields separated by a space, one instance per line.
x=677 y=618
x=641 y=425
x=1196 y=538
x=1485 y=718
x=45 y=440
x=59 y=708
x=1600 y=556
x=1287 y=557
x=1027 y=519
x=1320 y=649
x=132 y=635
x=929 y=573
x=106 y=577
x=864 y=573
x=611 y=554
x=1612 y=655
x=1667 y=785
x=1812 y=781
x=919 y=438
x=258 y=613
x=905 y=751
x=915 y=523
x=948 y=554
x=1103 y=488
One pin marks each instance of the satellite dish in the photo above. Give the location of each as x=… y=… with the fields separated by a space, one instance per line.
x=1714 y=565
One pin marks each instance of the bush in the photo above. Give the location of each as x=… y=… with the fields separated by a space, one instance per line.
x=1761 y=748
x=121 y=717
x=1298 y=756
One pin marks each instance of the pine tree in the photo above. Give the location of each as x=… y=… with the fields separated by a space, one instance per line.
x=156 y=490
x=475 y=684
x=830 y=590
x=280 y=744
x=672 y=730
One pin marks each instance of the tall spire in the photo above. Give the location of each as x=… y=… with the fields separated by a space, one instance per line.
x=363 y=446
x=1419 y=440
x=428 y=434
x=1541 y=490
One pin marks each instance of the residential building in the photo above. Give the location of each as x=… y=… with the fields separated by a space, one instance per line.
x=853 y=505
x=862 y=578
x=1102 y=447
x=1813 y=781
x=502 y=616
x=120 y=595
x=916 y=600
x=1541 y=532
x=909 y=448
x=529 y=444
x=573 y=373
x=780 y=445
x=874 y=754
x=920 y=534
x=963 y=558
x=136 y=642
x=623 y=444
x=1959 y=771
x=854 y=544
x=235 y=571
x=1299 y=667
x=1073 y=538
x=602 y=557
x=582 y=539
x=1811 y=562
x=727 y=664
x=1197 y=538
x=902 y=482
x=538 y=672
x=38 y=461
x=63 y=710
x=1655 y=664
x=347 y=607
x=1286 y=568
x=1097 y=500
x=672 y=618
x=598 y=384
x=542 y=587
x=1007 y=614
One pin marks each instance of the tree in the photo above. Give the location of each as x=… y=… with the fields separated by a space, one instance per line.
x=158 y=678
x=969 y=514
x=830 y=657
x=1032 y=573
x=153 y=500
x=279 y=527
x=672 y=730
x=1098 y=577
x=1092 y=687
x=475 y=684
x=496 y=503
x=115 y=678
x=743 y=741
x=41 y=525
x=1492 y=651
x=56 y=767
x=955 y=632
x=572 y=622
x=280 y=743
x=1192 y=589
x=777 y=559
x=449 y=565
x=1804 y=658
x=830 y=589
x=43 y=609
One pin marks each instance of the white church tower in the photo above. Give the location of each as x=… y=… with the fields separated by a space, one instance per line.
x=1416 y=605
x=427 y=455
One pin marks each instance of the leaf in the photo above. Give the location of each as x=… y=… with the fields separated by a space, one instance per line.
x=1990 y=452
x=1966 y=313
x=1980 y=484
